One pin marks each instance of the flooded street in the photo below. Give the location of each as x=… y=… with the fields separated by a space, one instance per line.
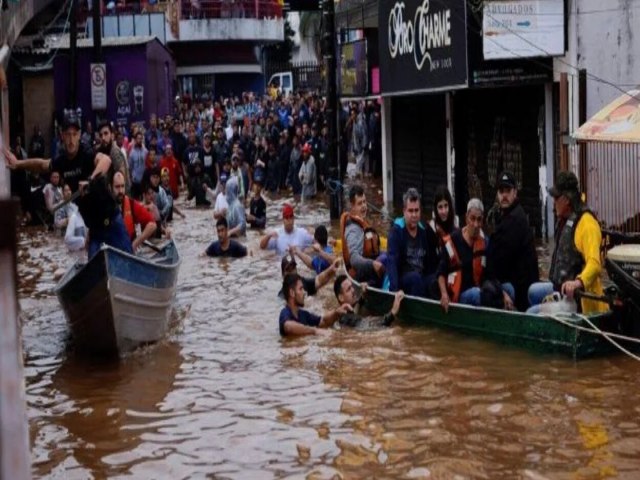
x=225 y=397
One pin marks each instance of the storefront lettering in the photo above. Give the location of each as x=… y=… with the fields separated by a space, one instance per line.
x=123 y=110
x=427 y=31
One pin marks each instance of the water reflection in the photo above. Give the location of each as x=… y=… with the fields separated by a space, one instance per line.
x=224 y=396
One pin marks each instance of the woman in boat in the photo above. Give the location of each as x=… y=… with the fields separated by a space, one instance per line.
x=462 y=268
x=444 y=220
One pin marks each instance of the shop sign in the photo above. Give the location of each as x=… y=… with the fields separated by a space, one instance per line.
x=423 y=45
x=522 y=28
x=98 y=86
x=353 y=71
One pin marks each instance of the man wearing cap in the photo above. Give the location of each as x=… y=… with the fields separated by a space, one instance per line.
x=75 y=163
x=307 y=174
x=575 y=264
x=282 y=238
x=511 y=254
x=173 y=166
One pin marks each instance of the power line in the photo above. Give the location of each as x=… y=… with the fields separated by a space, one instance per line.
x=546 y=53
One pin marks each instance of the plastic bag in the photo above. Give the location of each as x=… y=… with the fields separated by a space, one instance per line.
x=557 y=303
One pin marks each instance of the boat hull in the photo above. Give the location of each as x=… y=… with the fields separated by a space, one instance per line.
x=118 y=301
x=534 y=332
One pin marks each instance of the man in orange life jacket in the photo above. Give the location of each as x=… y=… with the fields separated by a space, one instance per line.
x=360 y=242
x=133 y=213
x=463 y=262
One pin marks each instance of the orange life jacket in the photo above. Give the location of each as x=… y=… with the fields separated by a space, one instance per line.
x=127 y=217
x=454 y=279
x=371 y=247
x=442 y=235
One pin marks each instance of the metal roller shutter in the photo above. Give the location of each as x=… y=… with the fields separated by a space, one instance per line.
x=497 y=129
x=418 y=146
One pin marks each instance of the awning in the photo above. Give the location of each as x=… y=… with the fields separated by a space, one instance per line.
x=617 y=122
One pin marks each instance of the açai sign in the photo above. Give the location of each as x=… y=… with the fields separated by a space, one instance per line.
x=425 y=45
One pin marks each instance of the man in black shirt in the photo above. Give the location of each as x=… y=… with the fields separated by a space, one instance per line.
x=225 y=246
x=310 y=284
x=75 y=164
x=257 y=216
x=511 y=255
x=346 y=293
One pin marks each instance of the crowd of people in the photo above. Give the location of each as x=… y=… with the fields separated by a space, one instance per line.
x=118 y=187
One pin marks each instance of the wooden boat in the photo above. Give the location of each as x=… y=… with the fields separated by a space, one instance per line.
x=118 y=301
x=531 y=331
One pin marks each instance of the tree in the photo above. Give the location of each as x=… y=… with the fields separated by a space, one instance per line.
x=310 y=29
x=281 y=51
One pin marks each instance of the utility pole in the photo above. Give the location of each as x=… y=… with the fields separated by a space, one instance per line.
x=73 y=53
x=97 y=31
x=329 y=53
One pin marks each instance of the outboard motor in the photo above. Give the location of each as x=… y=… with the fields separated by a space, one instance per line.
x=623 y=267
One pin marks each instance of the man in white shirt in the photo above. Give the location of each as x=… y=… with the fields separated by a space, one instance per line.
x=221 y=206
x=284 y=237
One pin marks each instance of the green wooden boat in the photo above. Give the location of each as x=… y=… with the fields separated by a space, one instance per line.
x=536 y=332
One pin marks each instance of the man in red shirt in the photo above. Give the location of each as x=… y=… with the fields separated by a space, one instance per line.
x=133 y=212
x=170 y=162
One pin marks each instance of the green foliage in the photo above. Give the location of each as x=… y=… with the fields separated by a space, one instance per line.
x=281 y=51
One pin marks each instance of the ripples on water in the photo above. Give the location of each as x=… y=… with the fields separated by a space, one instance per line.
x=223 y=396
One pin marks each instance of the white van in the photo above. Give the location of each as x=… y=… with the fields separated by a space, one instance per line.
x=283 y=82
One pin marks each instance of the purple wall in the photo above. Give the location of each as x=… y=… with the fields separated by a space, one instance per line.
x=160 y=74
x=131 y=69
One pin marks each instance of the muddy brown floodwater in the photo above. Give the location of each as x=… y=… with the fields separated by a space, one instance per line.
x=225 y=397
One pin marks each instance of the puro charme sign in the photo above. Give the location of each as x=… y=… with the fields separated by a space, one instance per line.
x=422 y=45
x=427 y=31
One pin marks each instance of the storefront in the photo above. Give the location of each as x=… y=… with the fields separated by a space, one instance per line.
x=423 y=57
x=467 y=95
x=503 y=120
x=135 y=82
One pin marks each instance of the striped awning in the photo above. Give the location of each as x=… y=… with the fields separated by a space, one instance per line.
x=617 y=122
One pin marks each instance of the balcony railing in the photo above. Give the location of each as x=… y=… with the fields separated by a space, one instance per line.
x=222 y=9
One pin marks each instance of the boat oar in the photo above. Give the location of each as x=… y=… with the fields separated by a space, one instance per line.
x=67 y=202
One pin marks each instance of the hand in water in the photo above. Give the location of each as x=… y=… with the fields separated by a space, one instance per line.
x=344 y=308
x=444 y=302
